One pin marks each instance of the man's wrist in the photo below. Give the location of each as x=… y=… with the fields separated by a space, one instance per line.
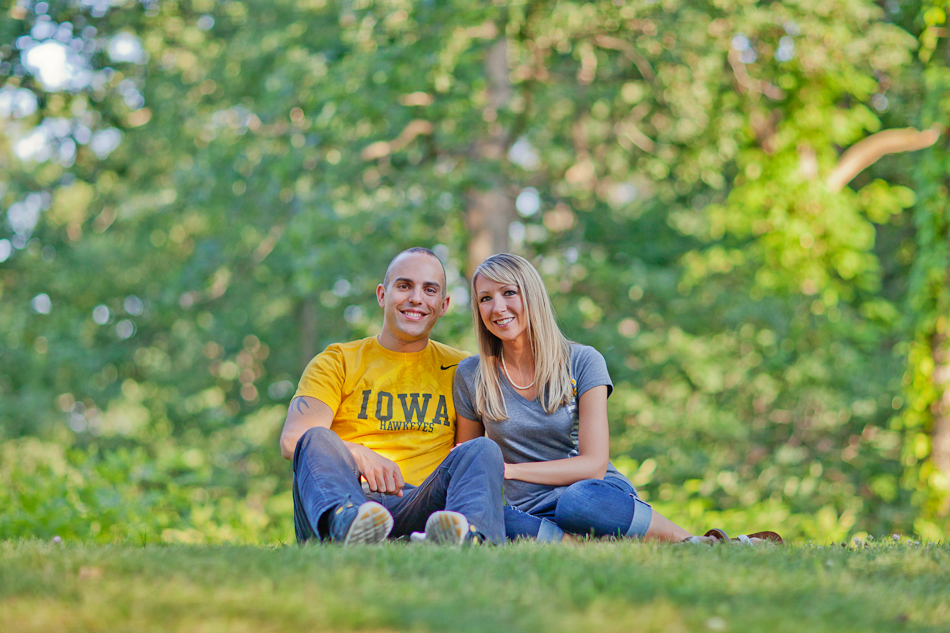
x=356 y=450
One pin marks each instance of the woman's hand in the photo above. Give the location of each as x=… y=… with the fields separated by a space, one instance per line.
x=593 y=448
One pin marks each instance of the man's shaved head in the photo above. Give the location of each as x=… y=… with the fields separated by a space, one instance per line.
x=415 y=249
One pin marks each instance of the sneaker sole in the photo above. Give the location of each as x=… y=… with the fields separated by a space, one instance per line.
x=446 y=527
x=372 y=524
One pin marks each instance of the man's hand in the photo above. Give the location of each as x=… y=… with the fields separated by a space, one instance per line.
x=304 y=413
x=382 y=475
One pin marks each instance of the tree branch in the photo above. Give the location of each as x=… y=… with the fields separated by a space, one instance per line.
x=617 y=44
x=865 y=153
x=379 y=149
x=747 y=83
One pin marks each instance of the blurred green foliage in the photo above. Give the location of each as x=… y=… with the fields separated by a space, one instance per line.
x=669 y=160
x=927 y=458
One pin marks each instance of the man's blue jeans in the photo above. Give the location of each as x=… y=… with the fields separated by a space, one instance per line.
x=469 y=480
x=595 y=507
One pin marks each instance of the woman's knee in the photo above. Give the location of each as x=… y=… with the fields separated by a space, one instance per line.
x=581 y=493
x=594 y=507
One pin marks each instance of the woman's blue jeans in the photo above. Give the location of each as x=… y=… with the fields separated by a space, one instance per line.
x=592 y=507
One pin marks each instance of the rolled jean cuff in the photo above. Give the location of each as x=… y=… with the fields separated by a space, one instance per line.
x=640 y=523
x=549 y=532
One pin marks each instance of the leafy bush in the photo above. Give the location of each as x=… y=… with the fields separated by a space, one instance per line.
x=163 y=493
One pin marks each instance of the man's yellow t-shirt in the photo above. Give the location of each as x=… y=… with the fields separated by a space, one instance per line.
x=398 y=405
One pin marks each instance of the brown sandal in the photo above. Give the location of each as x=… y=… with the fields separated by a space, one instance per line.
x=771 y=537
x=720 y=536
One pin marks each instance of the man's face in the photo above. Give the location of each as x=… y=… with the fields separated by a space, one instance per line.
x=412 y=303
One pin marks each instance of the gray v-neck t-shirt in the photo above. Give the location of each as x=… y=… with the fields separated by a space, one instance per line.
x=530 y=434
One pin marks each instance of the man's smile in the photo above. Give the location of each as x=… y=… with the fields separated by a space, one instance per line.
x=413 y=315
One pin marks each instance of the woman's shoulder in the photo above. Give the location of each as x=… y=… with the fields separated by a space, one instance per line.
x=589 y=368
x=468 y=366
x=584 y=353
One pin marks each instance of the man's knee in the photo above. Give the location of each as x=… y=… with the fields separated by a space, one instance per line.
x=318 y=440
x=480 y=453
x=482 y=448
x=320 y=449
x=318 y=435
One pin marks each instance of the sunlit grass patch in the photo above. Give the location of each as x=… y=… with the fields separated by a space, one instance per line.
x=524 y=587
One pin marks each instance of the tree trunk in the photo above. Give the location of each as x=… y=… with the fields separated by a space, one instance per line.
x=491 y=211
x=489 y=215
x=307 y=326
x=940 y=435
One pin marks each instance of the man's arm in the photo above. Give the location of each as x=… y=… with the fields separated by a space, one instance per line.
x=304 y=413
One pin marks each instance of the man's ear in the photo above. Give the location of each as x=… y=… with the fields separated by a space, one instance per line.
x=445 y=306
x=381 y=295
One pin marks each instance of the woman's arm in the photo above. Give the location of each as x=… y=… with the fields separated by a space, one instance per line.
x=593 y=447
x=466 y=429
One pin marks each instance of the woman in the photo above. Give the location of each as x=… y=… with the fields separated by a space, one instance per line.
x=543 y=400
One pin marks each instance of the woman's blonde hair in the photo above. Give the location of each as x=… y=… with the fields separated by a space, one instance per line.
x=552 y=351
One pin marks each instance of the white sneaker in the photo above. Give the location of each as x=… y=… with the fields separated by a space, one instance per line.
x=372 y=523
x=450 y=528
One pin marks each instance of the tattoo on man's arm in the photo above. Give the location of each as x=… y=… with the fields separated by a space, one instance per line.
x=300 y=403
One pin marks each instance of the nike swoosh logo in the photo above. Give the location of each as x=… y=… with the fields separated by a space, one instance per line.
x=444 y=367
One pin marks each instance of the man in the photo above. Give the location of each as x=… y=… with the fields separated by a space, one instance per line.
x=380 y=410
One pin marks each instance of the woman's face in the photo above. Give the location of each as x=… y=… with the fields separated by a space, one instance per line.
x=501 y=308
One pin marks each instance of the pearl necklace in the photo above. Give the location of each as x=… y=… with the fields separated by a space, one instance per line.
x=513 y=384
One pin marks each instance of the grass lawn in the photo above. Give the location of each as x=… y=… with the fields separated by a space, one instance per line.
x=601 y=587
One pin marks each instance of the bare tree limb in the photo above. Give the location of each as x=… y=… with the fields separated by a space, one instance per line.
x=747 y=83
x=267 y=244
x=865 y=153
x=628 y=133
x=617 y=44
x=380 y=149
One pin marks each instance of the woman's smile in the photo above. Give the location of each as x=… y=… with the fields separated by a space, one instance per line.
x=501 y=308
